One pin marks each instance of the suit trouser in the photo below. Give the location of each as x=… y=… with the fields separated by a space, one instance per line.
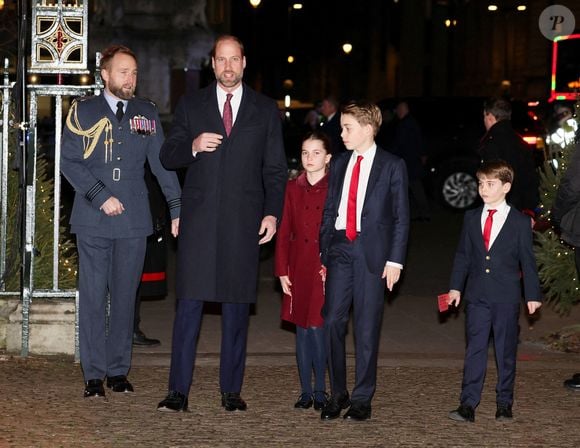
x=113 y=266
x=349 y=283
x=235 y=320
x=481 y=319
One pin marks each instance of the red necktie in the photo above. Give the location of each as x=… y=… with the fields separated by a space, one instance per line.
x=487 y=228
x=351 y=206
x=228 y=116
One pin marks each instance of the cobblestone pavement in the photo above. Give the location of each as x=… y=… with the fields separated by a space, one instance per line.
x=419 y=379
x=42 y=406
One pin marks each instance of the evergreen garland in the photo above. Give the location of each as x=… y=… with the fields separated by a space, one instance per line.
x=555 y=258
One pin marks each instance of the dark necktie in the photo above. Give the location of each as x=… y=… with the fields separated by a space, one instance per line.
x=487 y=228
x=119 y=114
x=351 y=205
x=228 y=116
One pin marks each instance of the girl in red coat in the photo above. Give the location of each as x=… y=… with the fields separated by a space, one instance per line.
x=298 y=266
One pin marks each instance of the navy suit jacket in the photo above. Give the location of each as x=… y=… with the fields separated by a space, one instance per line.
x=385 y=212
x=494 y=276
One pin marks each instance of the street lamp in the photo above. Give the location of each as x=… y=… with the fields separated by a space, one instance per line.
x=255 y=3
x=347 y=48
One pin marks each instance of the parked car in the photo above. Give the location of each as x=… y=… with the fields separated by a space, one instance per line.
x=452 y=129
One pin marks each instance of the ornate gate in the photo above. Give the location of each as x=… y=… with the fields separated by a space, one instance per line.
x=58 y=67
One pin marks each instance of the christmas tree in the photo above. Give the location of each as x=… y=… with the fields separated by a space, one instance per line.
x=557 y=268
x=43 y=238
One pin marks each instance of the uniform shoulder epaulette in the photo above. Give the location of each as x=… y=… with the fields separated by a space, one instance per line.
x=146 y=100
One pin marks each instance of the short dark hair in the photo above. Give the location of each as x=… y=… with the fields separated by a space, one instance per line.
x=497 y=169
x=365 y=113
x=500 y=108
x=109 y=53
x=319 y=135
x=224 y=37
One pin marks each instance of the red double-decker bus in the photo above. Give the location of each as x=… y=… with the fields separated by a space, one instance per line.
x=565 y=83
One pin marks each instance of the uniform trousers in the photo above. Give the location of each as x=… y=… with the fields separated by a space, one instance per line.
x=113 y=267
x=235 y=320
x=349 y=283
x=481 y=319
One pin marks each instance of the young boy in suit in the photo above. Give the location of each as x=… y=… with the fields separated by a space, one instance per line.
x=495 y=246
x=363 y=243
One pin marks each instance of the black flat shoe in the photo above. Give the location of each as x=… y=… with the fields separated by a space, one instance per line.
x=320 y=400
x=139 y=339
x=304 y=402
x=573 y=383
x=94 y=389
x=174 y=402
x=463 y=414
x=119 y=383
x=358 y=412
x=232 y=401
x=335 y=405
x=504 y=412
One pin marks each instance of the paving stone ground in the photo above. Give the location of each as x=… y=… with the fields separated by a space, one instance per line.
x=419 y=380
x=42 y=406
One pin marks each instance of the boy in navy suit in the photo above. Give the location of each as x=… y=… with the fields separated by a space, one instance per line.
x=494 y=248
x=363 y=243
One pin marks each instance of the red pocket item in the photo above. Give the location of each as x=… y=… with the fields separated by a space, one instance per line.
x=442 y=301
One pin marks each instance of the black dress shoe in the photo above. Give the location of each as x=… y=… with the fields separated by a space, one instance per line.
x=174 y=402
x=463 y=414
x=304 y=401
x=358 y=412
x=504 y=412
x=320 y=400
x=140 y=339
x=335 y=405
x=119 y=383
x=232 y=401
x=94 y=389
x=573 y=383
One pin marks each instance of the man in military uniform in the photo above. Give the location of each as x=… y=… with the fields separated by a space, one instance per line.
x=106 y=142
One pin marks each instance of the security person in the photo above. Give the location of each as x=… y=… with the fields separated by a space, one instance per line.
x=105 y=144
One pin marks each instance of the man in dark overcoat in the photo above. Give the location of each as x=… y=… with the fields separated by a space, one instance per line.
x=105 y=144
x=503 y=143
x=229 y=138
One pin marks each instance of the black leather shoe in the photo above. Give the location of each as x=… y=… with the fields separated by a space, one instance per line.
x=358 y=412
x=334 y=406
x=304 y=402
x=94 y=389
x=119 y=383
x=573 y=383
x=463 y=414
x=140 y=339
x=174 y=402
x=232 y=401
x=320 y=400
x=504 y=412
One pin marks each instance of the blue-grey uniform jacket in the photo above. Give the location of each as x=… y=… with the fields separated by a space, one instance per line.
x=102 y=157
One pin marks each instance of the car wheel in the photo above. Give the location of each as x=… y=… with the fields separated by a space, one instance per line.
x=459 y=190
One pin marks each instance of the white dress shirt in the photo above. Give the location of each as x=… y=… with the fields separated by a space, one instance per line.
x=499 y=219
x=235 y=101
x=363 y=180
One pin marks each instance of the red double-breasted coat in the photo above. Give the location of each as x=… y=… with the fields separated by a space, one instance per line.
x=298 y=251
